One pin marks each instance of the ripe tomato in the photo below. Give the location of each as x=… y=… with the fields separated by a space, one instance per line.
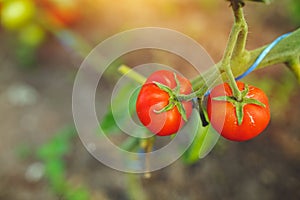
x=222 y=114
x=152 y=99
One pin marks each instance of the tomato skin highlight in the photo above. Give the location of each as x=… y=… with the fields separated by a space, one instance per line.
x=223 y=117
x=151 y=98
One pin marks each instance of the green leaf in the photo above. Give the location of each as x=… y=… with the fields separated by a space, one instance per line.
x=209 y=141
x=203 y=143
x=286 y=49
x=78 y=194
x=108 y=123
x=55 y=168
x=55 y=173
x=58 y=146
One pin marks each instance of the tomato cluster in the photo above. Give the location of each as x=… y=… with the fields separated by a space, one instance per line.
x=236 y=120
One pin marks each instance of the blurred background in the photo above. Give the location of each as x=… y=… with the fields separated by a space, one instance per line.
x=42 y=44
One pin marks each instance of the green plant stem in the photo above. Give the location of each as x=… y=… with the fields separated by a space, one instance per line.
x=189 y=97
x=147 y=146
x=283 y=52
x=135 y=190
x=123 y=69
x=235 y=90
x=237 y=31
x=240 y=47
x=294 y=65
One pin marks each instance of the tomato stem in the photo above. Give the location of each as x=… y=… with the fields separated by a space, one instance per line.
x=242 y=37
x=235 y=46
x=191 y=96
x=147 y=146
x=283 y=52
x=202 y=112
x=294 y=65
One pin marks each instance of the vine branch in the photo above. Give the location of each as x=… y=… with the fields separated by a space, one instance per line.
x=286 y=51
x=235 y=46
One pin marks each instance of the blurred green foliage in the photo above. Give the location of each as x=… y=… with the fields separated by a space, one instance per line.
x=52 y=155
x=294 y=11
x=203 y=143
x=279 y=90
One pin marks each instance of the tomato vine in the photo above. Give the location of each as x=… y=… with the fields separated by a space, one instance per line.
x=236 y=63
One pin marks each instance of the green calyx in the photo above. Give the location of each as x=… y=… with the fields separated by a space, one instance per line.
x=239 y=105
x=173 y=100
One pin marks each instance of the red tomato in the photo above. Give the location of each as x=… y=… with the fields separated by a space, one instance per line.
x=222 y=114
x=151 y=99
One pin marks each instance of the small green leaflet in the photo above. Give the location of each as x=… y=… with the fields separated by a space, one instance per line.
x=58 y=146
x=203 y=143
